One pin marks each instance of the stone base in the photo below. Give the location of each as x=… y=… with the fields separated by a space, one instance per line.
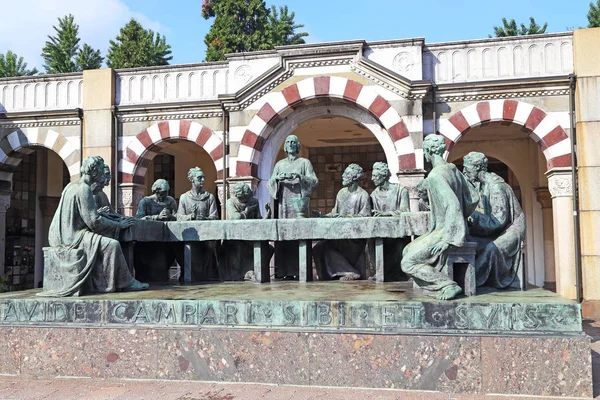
x=557 y=366
x=353 y=334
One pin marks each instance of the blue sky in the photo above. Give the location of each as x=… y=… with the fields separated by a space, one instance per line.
x=29 y=21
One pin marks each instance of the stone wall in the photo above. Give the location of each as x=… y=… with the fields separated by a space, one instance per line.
x=329 y=164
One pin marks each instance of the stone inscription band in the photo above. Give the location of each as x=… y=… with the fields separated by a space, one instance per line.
x=382 y=317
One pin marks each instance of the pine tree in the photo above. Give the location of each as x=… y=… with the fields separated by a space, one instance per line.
x=61 y=53
x=13 y=65
x=283 y=28
x=533 y=28
x=509 y=28
x=138 y=47
x=593 y=15
x=88 y=58
x=239 y=26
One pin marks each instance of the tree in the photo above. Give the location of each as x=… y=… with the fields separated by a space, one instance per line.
x=509 y=28
x=138 y=47
x=13 y=65
x=283 y=28
x=593 y=15
x=88 y=58
x=239 y=26
x=61 y=53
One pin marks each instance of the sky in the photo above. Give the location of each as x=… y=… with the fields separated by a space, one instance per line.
x=26 y=23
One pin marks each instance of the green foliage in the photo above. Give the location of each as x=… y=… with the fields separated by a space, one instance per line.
x=239 y=26
x=62 y=54
x=247 y=25
x=88 y=58
x=138 y=47
x=13 y=65
x=509 y=28
x=593 y=15
x=283 y=28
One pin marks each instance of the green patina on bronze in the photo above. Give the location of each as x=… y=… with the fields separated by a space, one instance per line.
x=452 y=199
x=325 y=306
x=345 y=259
x=85 y=256
x=497 y=226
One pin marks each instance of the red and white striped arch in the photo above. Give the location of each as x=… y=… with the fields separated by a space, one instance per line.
x=541 y=127
x=146 y=145
x=21 y=141
x=280 y=104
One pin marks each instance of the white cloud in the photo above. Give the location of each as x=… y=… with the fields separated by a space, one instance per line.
x=27 y=23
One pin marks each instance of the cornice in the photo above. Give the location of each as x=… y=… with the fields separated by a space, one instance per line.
x=490 y=90
x=384 y=77
x=40 y=123
x=125 y=118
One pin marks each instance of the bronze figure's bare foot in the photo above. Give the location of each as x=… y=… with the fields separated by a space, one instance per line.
x=449 y=292
x=350 y=276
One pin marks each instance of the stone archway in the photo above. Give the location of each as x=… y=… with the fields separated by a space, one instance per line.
x=21 y=141
x=541 y=127
x=280 y=104
x=142 y=148
x=270 y=150
x=555 y=144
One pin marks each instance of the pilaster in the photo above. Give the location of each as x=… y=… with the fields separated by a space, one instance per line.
x=545 y=199
x=560 y=186
x=98 y=129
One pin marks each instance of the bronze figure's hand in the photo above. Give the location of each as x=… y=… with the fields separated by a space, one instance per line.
x=439 y=248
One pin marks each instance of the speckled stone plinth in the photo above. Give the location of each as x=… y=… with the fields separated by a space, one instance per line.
x=353 y=334
x=453 y=364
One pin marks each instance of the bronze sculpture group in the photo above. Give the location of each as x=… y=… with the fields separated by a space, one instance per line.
x=474 y=206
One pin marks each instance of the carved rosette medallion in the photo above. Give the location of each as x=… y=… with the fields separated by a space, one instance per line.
x=403 y=62
x=243 y=73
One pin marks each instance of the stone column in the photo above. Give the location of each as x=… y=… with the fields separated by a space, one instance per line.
x=98 y=134
x=545 y=199
x=4 y=206
x=561 y=189
x=587 y=110
x=130 y=195
x=410 y=179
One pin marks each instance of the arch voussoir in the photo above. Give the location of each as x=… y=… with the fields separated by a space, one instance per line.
x=545 y=130
x=282 y=103
x=20 y=142
x=147 y=144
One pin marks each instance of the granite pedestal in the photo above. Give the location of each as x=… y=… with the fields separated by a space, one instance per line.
x=356 y=334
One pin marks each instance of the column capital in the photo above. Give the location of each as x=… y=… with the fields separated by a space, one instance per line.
x=560 y=182
x=543 y=197
x=410 y=179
